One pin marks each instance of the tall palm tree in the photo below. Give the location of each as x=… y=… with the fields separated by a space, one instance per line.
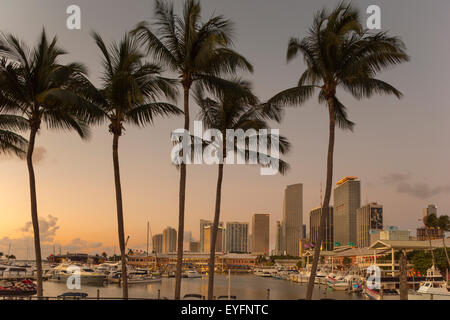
x=197 y=52
x=338 y=53
x=443 y=224
x=237 y=111
x=129 y=93
x=10 y=141
x=430 y=222
x=35 y=85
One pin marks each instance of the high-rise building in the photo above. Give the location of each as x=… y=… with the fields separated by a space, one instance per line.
x=169 y=240
x=237 y=237
x=292 y=218
x=368 y=217
x=347 y=198
x=279 y=239
x=260 y=234
x=314 y=226
x=219 y=240
x=157 y=243
x=429 y=233
x=204 y=224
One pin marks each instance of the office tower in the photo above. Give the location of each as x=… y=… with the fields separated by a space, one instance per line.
x=203 y=225
x=347 y=198
x=157 y=243
x=279 y=239
x=260 y=234
x=314 y=224
x=169 y=240
x=194 y=246
x=237 y=237
x=368 y=217
x=292 y=218
x=430 y=233
x=208 y=236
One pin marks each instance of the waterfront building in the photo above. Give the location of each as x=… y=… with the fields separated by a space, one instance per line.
x=390 y=233
x=314 y=226
x=347 y=199
x=292 y=219
x=368 y=218
x=237 y=237
x=169 y=240
x=157 y=243
x=260 y=234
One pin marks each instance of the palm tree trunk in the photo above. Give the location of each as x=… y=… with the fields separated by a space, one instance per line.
x=445 y=250
x=431 y=246
x=212 y=252
x=120 y=223
x=403 y=276
x=326 y=200
x=182 y=200
x=34 y=213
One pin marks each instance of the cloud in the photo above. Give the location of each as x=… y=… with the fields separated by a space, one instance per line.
x=404 y=184
x=47 y=228
x=39 y=154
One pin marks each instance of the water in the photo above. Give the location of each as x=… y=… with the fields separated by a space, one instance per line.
x=244 y=287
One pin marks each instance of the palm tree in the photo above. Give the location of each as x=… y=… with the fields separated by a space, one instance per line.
x=338 y=53
x=196 y=52
x=35 y=85
x=128 y=95
x=10 y=141
x=443 y=224
x=430 y=222
x=237 y=111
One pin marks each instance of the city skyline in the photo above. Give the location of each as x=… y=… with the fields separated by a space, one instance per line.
x=403 y=177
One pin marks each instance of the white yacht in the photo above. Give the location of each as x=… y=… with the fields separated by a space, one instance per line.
x=14 y=272
x=431 y=289
x=87 y=275
x=192 y=274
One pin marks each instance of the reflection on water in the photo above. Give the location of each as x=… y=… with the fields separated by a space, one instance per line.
x=244 y=287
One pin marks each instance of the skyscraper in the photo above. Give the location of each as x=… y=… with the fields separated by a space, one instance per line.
x=169 y=240
x=260 y=234
x=204 y=224
x=368 y=218
x=314 y=225
x=237 y=237
x=292 y=218
x=347 y=198
x=429 y=233
x=207 y=235
x=157 y=243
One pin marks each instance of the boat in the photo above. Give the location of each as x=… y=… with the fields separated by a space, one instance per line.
x=376 y=294
x=17 y=288
x=192 y=274
x=351 y=283
x=14 y=272
x=433 y=288
x=87 y=275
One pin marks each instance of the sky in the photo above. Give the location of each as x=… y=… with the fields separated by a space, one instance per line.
x=399 y=148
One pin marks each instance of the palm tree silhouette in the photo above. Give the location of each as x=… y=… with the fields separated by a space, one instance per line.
x=36 y=86
x=236 y=110
x=338 y=53
x=196 y=52
x=128 y=95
